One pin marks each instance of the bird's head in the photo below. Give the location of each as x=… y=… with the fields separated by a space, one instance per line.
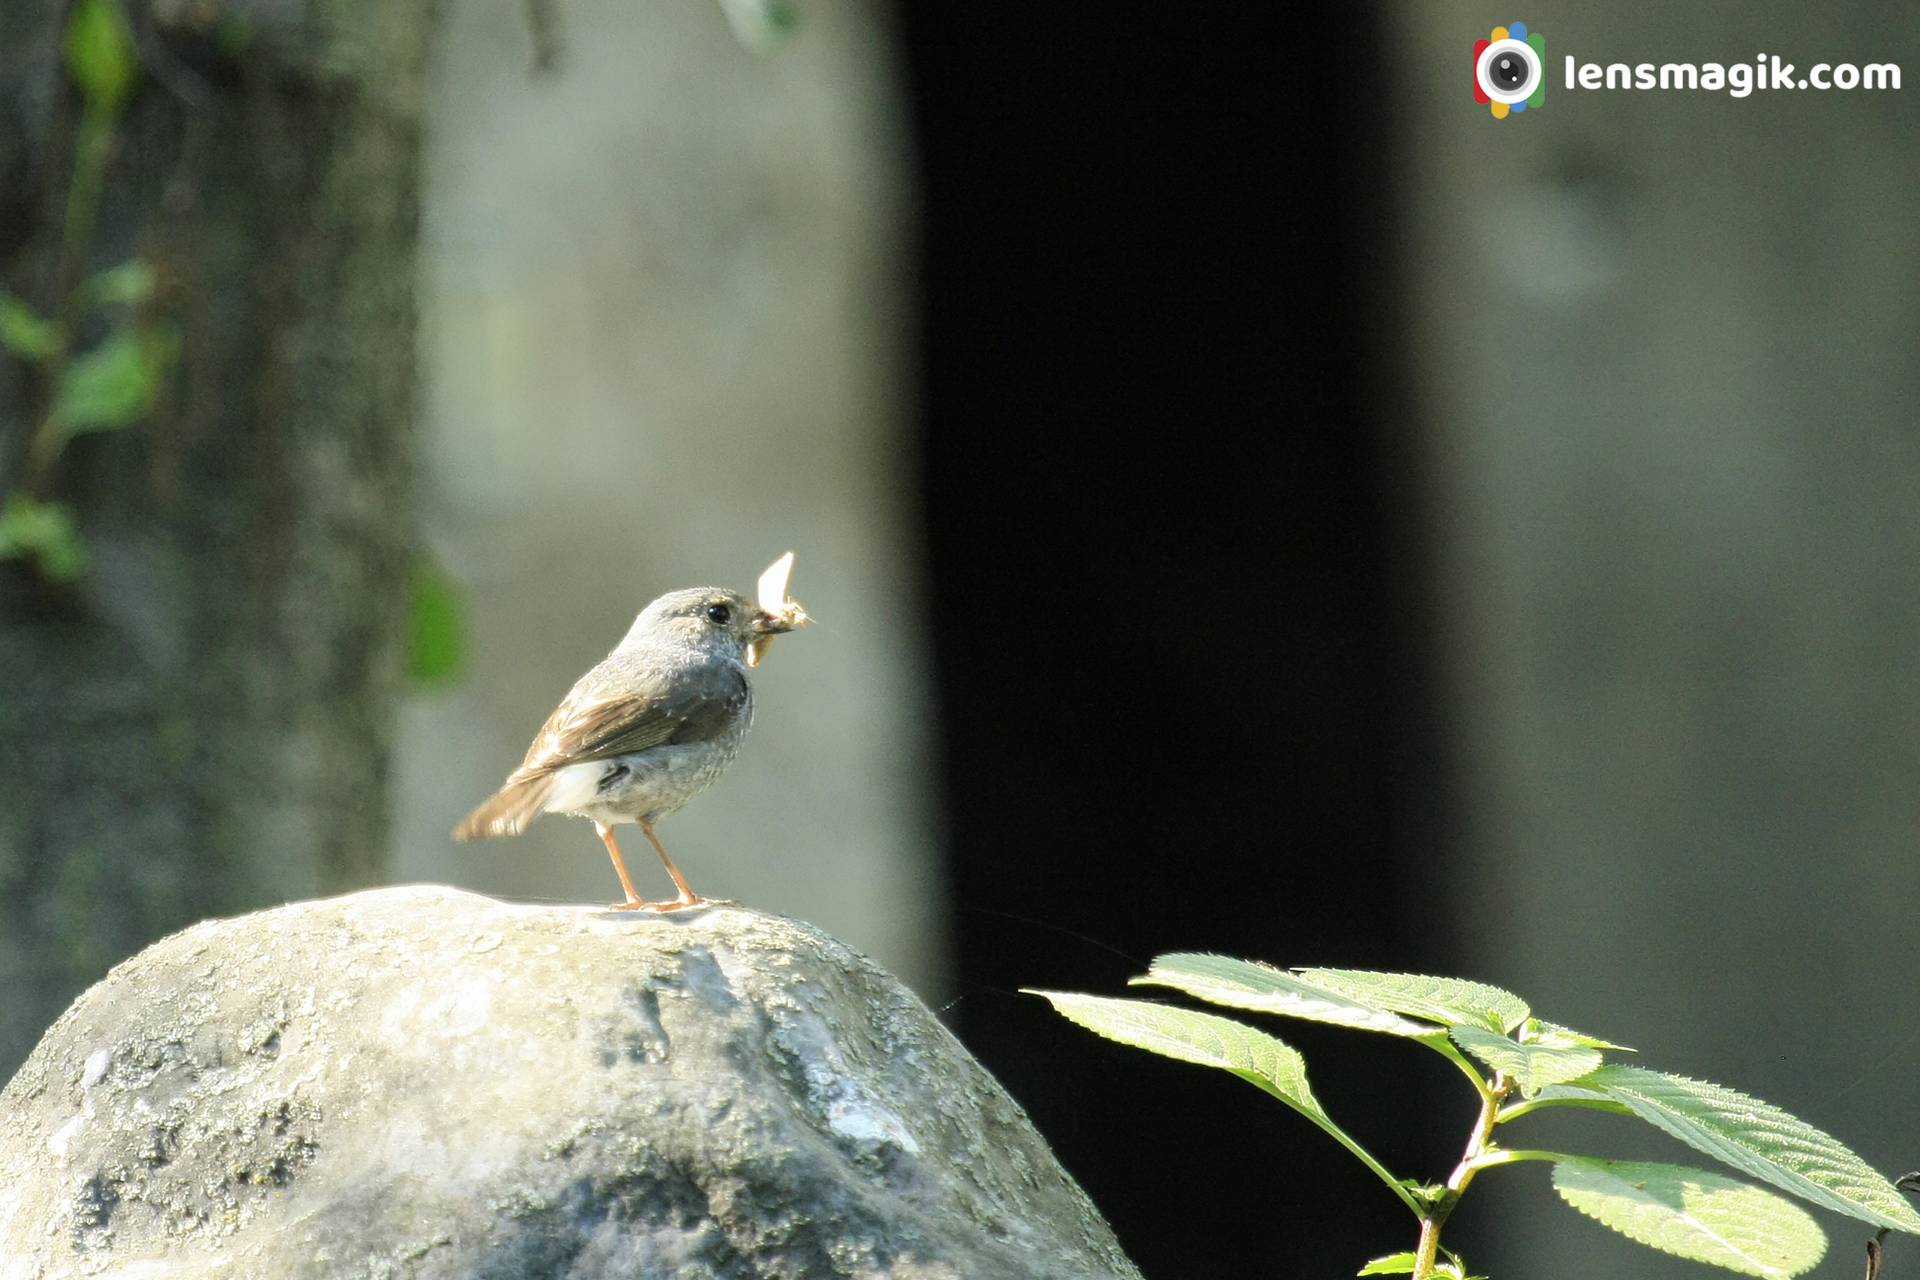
x=710 y=620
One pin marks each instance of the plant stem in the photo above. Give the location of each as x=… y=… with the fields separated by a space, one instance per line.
x=91 y=153
x=1379 y=1170
x=1427 y=1252
x=1339 y=1135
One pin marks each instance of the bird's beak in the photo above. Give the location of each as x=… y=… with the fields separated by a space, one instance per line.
x=778 y=613
x=766 y=625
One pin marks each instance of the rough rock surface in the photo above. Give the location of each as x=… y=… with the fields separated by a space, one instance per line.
x=420 y=1082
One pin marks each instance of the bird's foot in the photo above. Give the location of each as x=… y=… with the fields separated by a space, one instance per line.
x=676 y=904
x=663 y=906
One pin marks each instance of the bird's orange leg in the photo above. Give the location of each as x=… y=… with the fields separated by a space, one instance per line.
x=634 y=901
x=687 y=898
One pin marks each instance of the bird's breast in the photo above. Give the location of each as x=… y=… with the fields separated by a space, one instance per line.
x=647 y=784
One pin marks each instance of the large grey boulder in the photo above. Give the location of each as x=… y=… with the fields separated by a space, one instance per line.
x=420 y=1082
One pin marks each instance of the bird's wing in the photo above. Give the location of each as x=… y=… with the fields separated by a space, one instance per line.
x=596 y=724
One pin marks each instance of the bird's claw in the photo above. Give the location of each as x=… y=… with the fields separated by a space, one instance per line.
x=661 y=907
x=676 y=904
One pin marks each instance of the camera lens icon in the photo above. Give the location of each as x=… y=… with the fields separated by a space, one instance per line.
x=1509 y=70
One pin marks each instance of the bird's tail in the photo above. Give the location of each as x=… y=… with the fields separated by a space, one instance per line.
x=509 y=811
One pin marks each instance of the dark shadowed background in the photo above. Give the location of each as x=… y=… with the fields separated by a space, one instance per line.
x=1253 y=501
x=1170 y=489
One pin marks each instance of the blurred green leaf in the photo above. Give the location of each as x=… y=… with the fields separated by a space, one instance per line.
x=44 y=534
x=25 y=332
x=160 y=350
x=1694 y=1214
x=436 y=625
x=234 y=34
x=113 y=384
x=1761 y=1140
x=1531 y=1066
x=100 y=53
x=131 y=282
x=761 y=25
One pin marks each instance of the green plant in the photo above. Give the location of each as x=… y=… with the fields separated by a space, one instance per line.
x=436 y=625
x=1519 y=1064
x=113 y=382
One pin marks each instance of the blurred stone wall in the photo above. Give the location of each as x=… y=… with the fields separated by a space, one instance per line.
x=1664 y=353
x=664 y=339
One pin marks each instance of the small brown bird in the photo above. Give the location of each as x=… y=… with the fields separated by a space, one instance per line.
x=650 y=727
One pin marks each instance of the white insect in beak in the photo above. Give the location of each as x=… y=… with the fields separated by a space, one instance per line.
x=777 y=605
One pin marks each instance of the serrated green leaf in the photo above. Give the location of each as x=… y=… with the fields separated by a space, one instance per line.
x=1694 y=1214
x=1531 y=1066
x=1448 y=1001
x=100 y=53
x=1243 y=984
x=1537 y=1031
x=1428 y=1194
x=1209 y=1040
x=1580 y=1095
x=25 y=332
x=436 y=625
x=44 y=534
x=1759 y=1139
x=1203 y=1038
x=1401 y=1264
x=131 y=283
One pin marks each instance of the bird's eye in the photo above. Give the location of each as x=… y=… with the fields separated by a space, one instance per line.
x=719 y=615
